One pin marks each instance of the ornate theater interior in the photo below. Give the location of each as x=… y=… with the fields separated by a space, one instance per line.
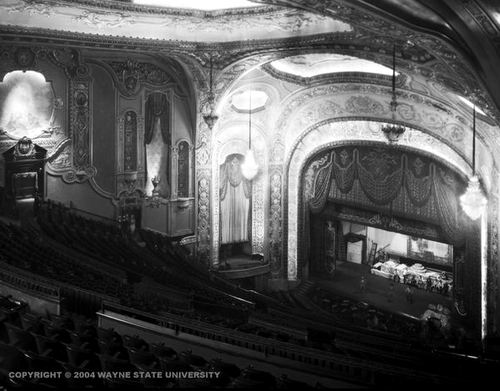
x=270 y=193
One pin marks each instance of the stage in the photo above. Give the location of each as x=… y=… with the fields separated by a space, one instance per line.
x=346 y=282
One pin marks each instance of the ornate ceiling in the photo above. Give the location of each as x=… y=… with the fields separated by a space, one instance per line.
x=310 y=65
x=143 y=22
x=203 y=5
x=445 y=48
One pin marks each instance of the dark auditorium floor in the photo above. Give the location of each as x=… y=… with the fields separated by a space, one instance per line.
x=346 y=282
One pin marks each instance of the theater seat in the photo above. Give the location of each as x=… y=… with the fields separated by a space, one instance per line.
x=110 y=363
x=143 y=360
x=20 y=338
x=193 y=360
x=82 y=358
x=135 y=342
x=11 y=359
x=50 y=347
x=164 y=352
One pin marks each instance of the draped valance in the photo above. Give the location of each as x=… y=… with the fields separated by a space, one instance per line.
x=230 y=175
x=405 y=183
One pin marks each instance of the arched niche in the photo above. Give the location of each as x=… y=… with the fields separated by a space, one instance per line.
x=233 y=139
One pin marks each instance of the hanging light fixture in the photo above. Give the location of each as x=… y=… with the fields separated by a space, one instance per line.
x=393 y=131
x=250 y=168
x=473 y=201
x=211 y=118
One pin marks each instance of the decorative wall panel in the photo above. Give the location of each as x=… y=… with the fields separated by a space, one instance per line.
x=130 y=142
x=493 y=259
x=80 y=130
x=183 y=169
x=275 y=219
x=203 y=156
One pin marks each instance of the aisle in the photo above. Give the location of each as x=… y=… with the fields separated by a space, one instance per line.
x=346 y=282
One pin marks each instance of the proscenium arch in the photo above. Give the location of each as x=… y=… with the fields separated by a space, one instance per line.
x=338 y=132
x=423 y=116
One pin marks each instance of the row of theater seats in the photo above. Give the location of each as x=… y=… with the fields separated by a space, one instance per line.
x=108 y=244
x=53 y=216
x=152 y=303
x=22 y=249
x=170 y=268
x=61 y=344
x=362 y=315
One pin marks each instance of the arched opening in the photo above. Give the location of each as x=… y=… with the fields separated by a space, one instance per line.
x=383 y=225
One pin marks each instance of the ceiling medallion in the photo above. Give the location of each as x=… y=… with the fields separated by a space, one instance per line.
x=393 y=131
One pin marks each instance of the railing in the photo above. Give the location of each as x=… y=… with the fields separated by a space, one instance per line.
x=244 y=272
x=337 y=365
x=268 y=322
x=38 y=288
x=71 y=209
x=74 y=298
x=83 y=301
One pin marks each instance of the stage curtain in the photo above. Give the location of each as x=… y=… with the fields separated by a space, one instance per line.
x=344 y=176
x=418 y=189
x=430 y=186
x=322 y=186
x=234 y=193
x=380 y=191
x=445 y=196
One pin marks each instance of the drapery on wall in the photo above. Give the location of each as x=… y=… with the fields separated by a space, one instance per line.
x=378 y=177
x=235 y=193
x=157 y=142
x=157 y=110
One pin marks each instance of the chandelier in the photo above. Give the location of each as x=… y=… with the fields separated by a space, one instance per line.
x=392 y=131
x=250 y=168
x=473 y=200
x=211 y=118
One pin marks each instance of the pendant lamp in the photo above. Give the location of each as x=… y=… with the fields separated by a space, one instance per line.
x=250 y=168
x=473 y=201
x=392 y=131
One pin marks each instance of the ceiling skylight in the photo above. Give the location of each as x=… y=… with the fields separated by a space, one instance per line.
x=310 y=65
x=241 y=100
x=202 y=5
